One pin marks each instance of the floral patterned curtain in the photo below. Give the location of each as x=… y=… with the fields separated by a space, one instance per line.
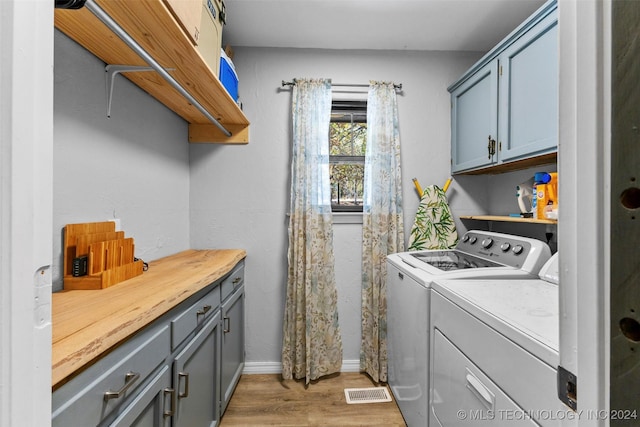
x=312 y=345
x=382 y=223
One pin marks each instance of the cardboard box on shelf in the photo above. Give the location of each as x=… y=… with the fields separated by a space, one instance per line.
x=229 y=51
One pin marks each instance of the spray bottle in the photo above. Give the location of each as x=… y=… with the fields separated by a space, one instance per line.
x=524 y=193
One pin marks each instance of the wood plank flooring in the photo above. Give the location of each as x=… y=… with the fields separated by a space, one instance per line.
x=268 y=400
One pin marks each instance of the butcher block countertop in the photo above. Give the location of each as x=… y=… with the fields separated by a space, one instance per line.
x=87 y=323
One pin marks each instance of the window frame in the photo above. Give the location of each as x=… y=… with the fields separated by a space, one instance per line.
x=349 y=109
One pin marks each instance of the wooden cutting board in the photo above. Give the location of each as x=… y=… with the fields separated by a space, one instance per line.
x=110 y=255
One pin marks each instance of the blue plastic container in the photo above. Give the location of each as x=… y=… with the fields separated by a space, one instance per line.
x=229 y=78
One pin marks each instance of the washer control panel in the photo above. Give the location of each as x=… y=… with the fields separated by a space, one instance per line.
x=503 y=248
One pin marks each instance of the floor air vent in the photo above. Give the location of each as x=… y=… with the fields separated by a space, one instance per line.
x=367 y=395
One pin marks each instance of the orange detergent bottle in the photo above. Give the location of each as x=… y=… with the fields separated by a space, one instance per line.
x=546 y=195
x=550 y=210
x=540 y=193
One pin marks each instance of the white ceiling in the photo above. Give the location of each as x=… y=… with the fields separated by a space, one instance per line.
x=470 y=25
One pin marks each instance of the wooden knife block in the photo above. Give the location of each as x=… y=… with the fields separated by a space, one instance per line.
x=110 y=255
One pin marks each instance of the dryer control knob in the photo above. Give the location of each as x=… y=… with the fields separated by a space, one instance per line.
x=486 y=243
x=517 y=249
x=473 y=240
x=465 y=238
x=505 y=246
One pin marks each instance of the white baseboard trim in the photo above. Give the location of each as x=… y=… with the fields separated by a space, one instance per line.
x=350 y=366
x=276 y=367
x=262 y=368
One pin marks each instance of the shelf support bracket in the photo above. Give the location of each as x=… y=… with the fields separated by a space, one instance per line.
x=113 y=70
x=126 y=38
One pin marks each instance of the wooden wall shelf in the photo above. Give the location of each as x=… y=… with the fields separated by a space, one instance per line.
x=544 y=159
x=151 y=24
x=508 y=219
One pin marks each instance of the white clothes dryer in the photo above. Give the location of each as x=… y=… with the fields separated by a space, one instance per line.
x=494 y=352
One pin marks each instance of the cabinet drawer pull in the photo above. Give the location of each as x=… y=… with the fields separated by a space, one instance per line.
x=129 y=379
x=204 y=310
x=227 y=325
x=236 y=280
x=172 y=409
x=186 y=384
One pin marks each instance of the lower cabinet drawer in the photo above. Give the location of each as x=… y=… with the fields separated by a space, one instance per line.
x=233 y=281
x=187 y=321
x=152 y=407
x=98 y=393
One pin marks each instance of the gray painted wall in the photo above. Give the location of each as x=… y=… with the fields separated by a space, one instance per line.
x=133 y=166
x=137 y=166
x=239 y=194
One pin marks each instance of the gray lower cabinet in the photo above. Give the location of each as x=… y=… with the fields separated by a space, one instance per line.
x=180 y=370
x=109 y=387
x=196 y=379
x=152 y=406
x=232 y=344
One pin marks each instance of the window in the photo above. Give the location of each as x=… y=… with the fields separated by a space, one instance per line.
x=347 y=144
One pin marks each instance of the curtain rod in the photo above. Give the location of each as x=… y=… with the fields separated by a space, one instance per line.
x=292 y=83
x=111 y=24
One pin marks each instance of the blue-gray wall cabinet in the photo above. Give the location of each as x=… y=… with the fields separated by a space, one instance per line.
x=474 y=120
x=505 y=108
x=528 y=108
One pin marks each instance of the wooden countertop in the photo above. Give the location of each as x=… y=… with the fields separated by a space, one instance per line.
x=87 y=323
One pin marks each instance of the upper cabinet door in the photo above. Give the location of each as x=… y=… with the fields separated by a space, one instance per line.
x=505 y=107
x=528 y=110
x=474 y=120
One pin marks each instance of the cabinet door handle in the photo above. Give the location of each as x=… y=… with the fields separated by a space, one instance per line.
x=186 y=384
x=129 y=379
x=491 y=147
x=480 y=391
x=204 y=310
x=237 y=280
x=227 y=325
x=172 y=409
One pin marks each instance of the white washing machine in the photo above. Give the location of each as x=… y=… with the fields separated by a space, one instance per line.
x=478 y=255
x=494 y=352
